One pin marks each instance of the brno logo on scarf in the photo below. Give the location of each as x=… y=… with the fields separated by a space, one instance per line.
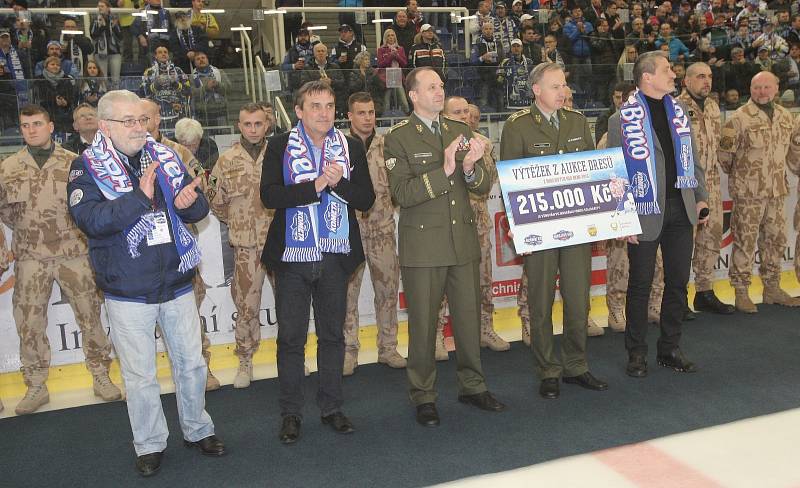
x=633 y=132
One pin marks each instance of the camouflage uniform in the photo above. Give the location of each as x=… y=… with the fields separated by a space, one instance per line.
x=793 y=163
x=48 y=247
x=234 y=193
x=378 y=235
x=489 y=337
x=753 y=151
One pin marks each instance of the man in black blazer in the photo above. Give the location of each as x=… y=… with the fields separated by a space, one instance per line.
x=314 y=177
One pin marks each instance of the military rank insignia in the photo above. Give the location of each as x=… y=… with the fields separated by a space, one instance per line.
x=419 y=128
x=463 y=144
x=390 y=163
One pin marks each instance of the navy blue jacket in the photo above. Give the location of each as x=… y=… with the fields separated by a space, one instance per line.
x=153 y=277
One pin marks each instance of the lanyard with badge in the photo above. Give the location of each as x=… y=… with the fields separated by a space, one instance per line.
x=159 y=230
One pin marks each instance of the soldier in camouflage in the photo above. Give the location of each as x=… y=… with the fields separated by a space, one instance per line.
x=193 y=168
x=234 y=193
x=48 y=247
x=793 y=163
x=5 y=261
x=458 y=108
x=380 y=246
x=753 y=149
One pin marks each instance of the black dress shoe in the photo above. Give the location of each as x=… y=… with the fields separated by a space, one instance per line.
x=586 y=380
x=339 y=423
x=675 y=361
x=210 y=446
x=148 y=464
x=549 y=388
x=483 y=400
x=427 y=415
x=707 y=301
x=637 y=366
x=689 y=315
x=290 y=429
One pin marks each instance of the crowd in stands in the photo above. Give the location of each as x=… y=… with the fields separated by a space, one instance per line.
x=596 y=40
x=168 y=57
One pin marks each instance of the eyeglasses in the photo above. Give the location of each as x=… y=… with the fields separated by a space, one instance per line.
x=132 y=122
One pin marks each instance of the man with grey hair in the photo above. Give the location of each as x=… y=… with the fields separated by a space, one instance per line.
x=133 y=198
x=548 y=128
x=669 y=190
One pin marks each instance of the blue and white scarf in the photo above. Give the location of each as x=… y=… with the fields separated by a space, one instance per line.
x=14 y=65
x=110 y=175
x=639 y=149
x=319 y=227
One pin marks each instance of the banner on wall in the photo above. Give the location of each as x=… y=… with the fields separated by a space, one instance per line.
x=217 y=312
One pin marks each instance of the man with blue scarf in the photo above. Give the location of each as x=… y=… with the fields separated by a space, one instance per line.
x=670 y=194
x=133 y=198
x=316 y=178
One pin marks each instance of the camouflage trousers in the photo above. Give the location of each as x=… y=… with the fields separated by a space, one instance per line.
x=797 y=241
x=617 y=267
x=246 y=287
x=484 y=228
x=380 y=250
x=757 y=222
x=708 y=237
x=32 y=289
x=199 y=289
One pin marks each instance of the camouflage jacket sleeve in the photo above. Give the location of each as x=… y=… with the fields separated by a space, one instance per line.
x=217 y=194
x=408 y=189
x=729 y=143
x=793 y=156
x=5 y=255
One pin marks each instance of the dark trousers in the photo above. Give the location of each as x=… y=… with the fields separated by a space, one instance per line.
x=298 y=285
x=676 y=248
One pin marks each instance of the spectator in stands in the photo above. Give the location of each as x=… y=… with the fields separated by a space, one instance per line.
x=189 y=133
x=210 y=86
x=601 y=124
x=531 y=47
x=719 y=35
x=209 y=25
x=636 y=12
x=777 y=47
x=93 y=85
x=663 y=14
x=763 y=60
x=167 y=85
x=793 y=68
x=405 y=31
x=84 y=125
x=594 y=12
x=628 y=56
x=12 y=82
x=292 y=22
x=779 y=6
x=793 y=35
x=751 y=17
x=414 y=15
x=604 y=60
x=517 y=11
x=299 y=53
x=427 y=51
x=636 y=34
x=344 y=52
x=783 y=24
x=504 y=29
x=186 y=40
x=107 y=38
x=550 y=51
x=77 y=47
x=677 y=49
x=54 y=50
x=364 y=78
x=56 y=92
x=30 y=43
x=320 y=68
x=129 y=44
x=739 y=71
x=744 y=40
x=483 y=15
x=527 y=20
x=391 y=55
x=512 y=74
x=732 y=101
x=486 y=55
x=577 y=30
x=349 y=18
x=616 y=25
x=153 y=30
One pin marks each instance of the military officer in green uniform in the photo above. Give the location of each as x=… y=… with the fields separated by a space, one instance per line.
x=543 y=129
x=433 y=163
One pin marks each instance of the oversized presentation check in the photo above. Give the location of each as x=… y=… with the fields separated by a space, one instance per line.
x=567 y=199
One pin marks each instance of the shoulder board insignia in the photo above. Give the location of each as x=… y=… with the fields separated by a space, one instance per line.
x=573 y=111
x=519 y=114
x=451 y=119
x=398 y=125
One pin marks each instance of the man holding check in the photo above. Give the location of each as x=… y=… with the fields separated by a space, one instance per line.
x=544 y=129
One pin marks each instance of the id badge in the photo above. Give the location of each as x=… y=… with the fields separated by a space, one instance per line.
x=159 y=234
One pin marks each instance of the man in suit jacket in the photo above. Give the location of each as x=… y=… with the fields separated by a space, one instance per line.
x=669 y=228
x=315 y=177
x=433 y=164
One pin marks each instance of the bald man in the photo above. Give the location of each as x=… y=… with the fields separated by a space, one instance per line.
x=752 y=151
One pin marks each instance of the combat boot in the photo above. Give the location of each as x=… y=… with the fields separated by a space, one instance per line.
x=104 y=388
x=245 y=373
x=526 y=331
x=616 y=319
x=592 y=329
x=490 y=339
x=212 y=383
x=392 y=358
x=350 y=363
x=441 y=349
x=743 y=302
x=775 y=295
x=35 y=397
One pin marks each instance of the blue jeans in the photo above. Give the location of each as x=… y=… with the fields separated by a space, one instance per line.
x=296 y=284
x=133 y=333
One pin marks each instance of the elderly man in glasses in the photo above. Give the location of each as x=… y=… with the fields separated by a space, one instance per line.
x=134 y=198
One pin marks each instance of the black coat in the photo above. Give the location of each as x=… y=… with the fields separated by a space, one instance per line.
x=45 y=94
x=357 y=191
